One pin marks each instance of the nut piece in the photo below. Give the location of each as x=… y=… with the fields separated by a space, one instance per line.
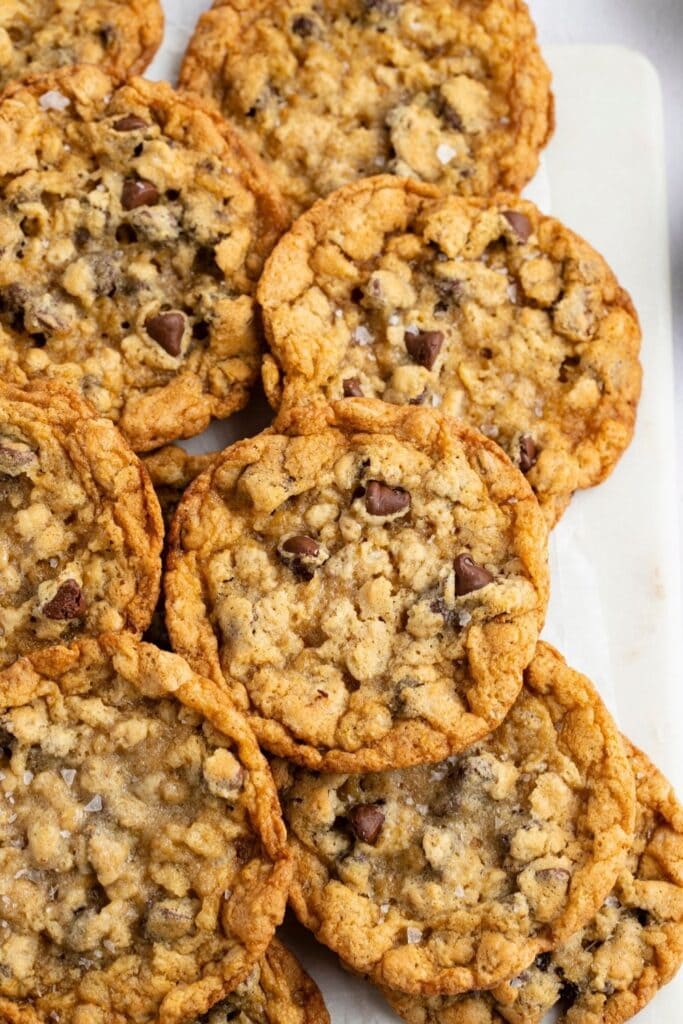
x=469 y=576
x=68 y=602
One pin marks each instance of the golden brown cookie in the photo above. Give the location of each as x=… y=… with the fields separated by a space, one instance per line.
x=134 y=226
x=144 y=865
x=278 y=991
x=453 y=92
x=452 y=877
x=611 y=969
x=485 y=308
x=370 y=590
x=119 y=36
x=80 y=527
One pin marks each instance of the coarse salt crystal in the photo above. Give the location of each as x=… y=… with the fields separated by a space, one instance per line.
x=64 y=833
x=109 y=946
x=95 y=804
x=459 y=891
x=362 y=336
x=464 y=617
x=338 y=313
x=68 y=774
x=516 y=983
x=28 y=778
x=394 y=319
x=413 y=935
x=53 y=100
x=444 y=153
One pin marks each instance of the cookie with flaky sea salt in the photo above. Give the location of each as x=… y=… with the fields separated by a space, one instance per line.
x=144 y=860
x=370 y=591
x=452 y=877
x=614 y=966
x=278 y=991
x=80 y=526
x=451 y=92
x=133 y=227
x=486 y=308
x=120 y=36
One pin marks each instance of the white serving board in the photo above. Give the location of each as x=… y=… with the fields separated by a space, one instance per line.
x=615 y=611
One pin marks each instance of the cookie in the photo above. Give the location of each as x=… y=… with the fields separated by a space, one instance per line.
x=611 y=969
x=484 y=307
x=278 y=991
x=120 y=36
x=370 y=590
x=451 y=877
x=80 y=527
x=144 y=864
x=451 y=92
x=134 y=226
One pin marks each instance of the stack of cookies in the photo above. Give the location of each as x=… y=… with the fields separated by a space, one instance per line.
x=342 y=699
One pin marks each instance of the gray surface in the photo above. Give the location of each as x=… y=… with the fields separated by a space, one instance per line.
x=655 y=27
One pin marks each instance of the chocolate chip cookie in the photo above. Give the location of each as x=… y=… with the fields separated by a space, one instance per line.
x=278 y=991
x=134 y=226
x=80 y=527
x=144 y=864
x=120 y=36
x=453 y=92
x=453 y=877
x=608 y=971
x=370 y=590
x=485 y=308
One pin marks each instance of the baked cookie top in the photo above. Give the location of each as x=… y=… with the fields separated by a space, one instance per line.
x=120 y=36
x=134 y=226
x=80 y=526
x=454 y=877
x=278 y=991
x=453 y=92
x=486 y=308
x=370 y=589
x=144 y=865
x=609 y=970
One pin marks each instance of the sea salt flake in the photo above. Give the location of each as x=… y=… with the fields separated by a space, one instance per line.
x=28 y=778
x=362 y=336
x=53 y=100
x=338 y=313
x=68 y=774
x=464 y=617
x=64 y=833
x=516 y=983
x=394 y=319
x=413 y=935
x=459 y=891
x=109 y=946
x=95 y=804
x=444 y=153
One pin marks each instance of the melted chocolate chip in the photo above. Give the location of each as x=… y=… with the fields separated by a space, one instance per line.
x=543 y=961
x=528 y=453
x=302 y=545
x=367 y=821
x=68 y=602
x=303 y=26
x=567 y=364
x=643 y=917
x=167 y=330
x=569 y=993
x=383 y=500
x=520 y=224
x=138 y=192
x=302 y=554
x=469 y=576
x=130 y=123
x=424 y=346
x=352 y=388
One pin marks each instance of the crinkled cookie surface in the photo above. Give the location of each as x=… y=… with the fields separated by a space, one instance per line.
x=120 y=36
x=278 y=991
x=453 y=92
x=611 y=969
x=80 y=526
x=133 y=228
x=485 y=308
x=144 y=865
x=370 y=590
x=453 y=877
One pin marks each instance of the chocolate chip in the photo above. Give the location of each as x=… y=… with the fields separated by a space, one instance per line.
x=68 y=602
x=451 y=117
x=302 y=545
x=15 y=457
x=424 y=346
x=469 y=576
x=303 y=554
x=567 y=364
x=486 y=353
x=130 y=123
x=569 y=993
x=383 y=500
x=543 y=961
x=303 y=26
x=167 y=330
x=643 y=917
x=419 y=399
x=352 y=388
x=528 y=453
x=520 y=224
x=367 y=821
x=138 y=192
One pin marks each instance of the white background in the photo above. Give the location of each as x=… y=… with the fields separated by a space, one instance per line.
x=655 y=27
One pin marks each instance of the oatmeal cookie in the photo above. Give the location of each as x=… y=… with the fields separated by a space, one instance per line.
x=120 y=36
x=370 y=591
x=144 y=864
x=278 y=991
x=484 y=307
x=452 y=877
x=453 y=92
x=80 y=527
x=611 y=969
x=133 y=227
